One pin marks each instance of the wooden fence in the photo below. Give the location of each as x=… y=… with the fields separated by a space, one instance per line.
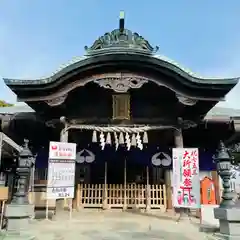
x=120 y=196
x=110 y=195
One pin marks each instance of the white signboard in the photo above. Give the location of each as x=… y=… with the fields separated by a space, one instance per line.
x=61 y=171
x=62 y=150
x=186 y=180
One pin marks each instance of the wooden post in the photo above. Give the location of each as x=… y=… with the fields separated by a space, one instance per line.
x=125 y=185
x=31 y=190
x=215 y=178
x=64 y=135
x=105 y=193
x=79 y=196
x=2 y=174
x=148 y=200
x=1 y=145
x=60 y=203
x=178 y=140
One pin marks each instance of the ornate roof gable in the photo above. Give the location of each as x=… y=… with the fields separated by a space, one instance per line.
x=120 y=40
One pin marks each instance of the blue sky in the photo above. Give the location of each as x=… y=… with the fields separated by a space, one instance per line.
x=36 y=37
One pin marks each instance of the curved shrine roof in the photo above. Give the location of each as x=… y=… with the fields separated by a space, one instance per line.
x=121 y=42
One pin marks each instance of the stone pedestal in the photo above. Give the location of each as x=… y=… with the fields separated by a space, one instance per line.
x=184 y=214
x=17 y=222
x=31 y=208
x=229 y=219
x=19 y=211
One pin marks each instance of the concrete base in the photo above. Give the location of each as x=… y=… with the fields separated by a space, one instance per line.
x=105 y=205
x=229 y=220
x=18 y=217
x=208 y=229
x=184 y=215
x=31 y=211
x=12 y=236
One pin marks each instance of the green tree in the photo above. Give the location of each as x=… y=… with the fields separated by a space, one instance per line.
x=5 y=104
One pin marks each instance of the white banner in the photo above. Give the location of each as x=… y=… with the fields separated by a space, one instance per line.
x=62 y=150
x=61 y=170
x=186 y=180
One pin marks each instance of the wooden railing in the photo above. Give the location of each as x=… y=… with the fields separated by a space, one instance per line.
x=4 y=191
x=120 y=196
x=108 y=196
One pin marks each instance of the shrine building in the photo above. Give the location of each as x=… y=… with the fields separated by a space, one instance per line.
x=125 y=106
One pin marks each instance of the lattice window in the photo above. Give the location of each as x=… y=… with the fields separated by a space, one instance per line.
x=121 y=106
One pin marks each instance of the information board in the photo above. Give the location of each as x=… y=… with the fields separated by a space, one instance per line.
x=61 y=171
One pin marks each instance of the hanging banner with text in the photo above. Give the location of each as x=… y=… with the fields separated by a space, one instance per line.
x=186 y=180
x=61 y=170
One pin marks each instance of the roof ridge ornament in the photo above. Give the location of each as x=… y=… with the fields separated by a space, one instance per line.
x=120 y=39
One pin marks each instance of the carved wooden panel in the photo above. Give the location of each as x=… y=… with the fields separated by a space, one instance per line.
x=121 y=106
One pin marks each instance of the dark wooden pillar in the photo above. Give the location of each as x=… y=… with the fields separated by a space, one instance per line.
x=178 y=138
x=64 y=136
x=1 y=145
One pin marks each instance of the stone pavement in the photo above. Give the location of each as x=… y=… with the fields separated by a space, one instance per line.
x=113 y=225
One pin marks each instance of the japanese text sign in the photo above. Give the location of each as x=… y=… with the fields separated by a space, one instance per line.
x=61 y=170
x=61 y=179
x=62 y=150
x=186 y=180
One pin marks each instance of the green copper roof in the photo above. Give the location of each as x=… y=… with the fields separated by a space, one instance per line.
x=16 y=109
x=121 y=42
x=77 y=61
x=223 y=112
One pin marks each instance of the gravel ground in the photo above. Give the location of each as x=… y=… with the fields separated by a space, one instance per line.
x=108 y=225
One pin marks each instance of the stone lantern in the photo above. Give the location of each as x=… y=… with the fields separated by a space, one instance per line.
x=228 y=213
x=23 y=172
x=18 y=212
